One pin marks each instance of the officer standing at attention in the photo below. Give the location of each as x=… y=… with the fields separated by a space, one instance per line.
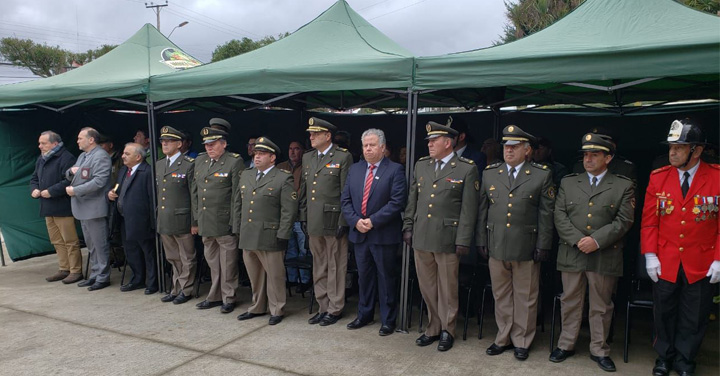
x=264 y=224
x=515 y=230
x=325 y=169
x=593 y=213
x=216 y=178
x=680 y=238
x=175 y=222
x=439 y=222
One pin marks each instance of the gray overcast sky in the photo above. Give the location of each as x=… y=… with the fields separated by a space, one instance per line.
x=425 y=27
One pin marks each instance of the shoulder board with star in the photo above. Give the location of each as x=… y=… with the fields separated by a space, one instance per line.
x=661 y=169
x=494 y=165
x=425 y=158
x=341 y=149
x=624 y=177
x=235 y=155
x=571 y=175
x=468 y=161
x=189 y=159
x=538 y=165
x=285 y=171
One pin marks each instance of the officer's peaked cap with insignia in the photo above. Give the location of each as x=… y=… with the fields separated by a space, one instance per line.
x=265 y=144
x=685 y=131
x=320 y=125
x=170 y=133
x=607 y=132
x=436 y=130
x=210 y=134
x=513 y=135
x=597 y=142
x=221 y=124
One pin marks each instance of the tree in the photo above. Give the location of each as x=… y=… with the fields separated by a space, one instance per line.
x=529 y=16
x=44 y=60
x=238 y=47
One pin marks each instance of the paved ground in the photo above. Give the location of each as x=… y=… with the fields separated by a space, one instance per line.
x=50 y=328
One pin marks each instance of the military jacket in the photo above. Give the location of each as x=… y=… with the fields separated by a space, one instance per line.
x=213 y=188
x=175 y=203
x=605 y=213
x=442 y=211
x=268 y=209
x=514 y=221
x=321 y=185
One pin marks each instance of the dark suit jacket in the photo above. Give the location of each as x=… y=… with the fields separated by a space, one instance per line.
x=138 y=214
x=477 y=156
x=388 y=196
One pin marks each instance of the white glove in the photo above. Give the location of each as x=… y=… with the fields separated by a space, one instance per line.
x=652 y=264
x=714 y=272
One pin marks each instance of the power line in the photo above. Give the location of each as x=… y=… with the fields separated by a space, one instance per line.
x=233 y=33
x=158 y=8
x=372 y=5
x=397 y=10
x=218 y=21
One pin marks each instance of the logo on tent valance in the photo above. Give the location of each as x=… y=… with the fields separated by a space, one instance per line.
x=177 y=59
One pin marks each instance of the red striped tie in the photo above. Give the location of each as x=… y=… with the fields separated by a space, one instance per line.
x=366 y=191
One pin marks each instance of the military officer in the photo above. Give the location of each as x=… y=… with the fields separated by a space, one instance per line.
x=593 y=213
x=680 y=238
x=515 y=230
x=619 y=164
x=264 y=224
x=216 y=178
x=325 y=168
x=176 y=224
x=439 y=222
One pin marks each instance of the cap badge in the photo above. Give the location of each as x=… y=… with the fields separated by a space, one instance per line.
x=588 y=137
x=511 y=129
x=205 y=131
x=164 y=130
x=311 y=121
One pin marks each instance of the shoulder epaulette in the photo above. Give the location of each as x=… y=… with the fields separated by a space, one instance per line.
x=628 y=161
x=570 y=175
x=202 y=153
x=714 y=165
x=661 y=169
x=285 y=171
x=309 y=150
x=341 y=149
x=249 y=168
x=624 y=177
x=466 y=160
x=235 y=155
x=189 y=159
x=425 y=158
x=494 y=165
x=540 y=166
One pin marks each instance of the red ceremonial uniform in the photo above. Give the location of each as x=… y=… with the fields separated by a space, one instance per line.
x=673 y=227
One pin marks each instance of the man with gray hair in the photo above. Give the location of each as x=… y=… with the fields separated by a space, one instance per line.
x=373 y=199
x=48 y=184
x=89 y=180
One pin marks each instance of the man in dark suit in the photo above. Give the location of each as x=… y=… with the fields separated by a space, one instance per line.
x=462 y=141
x=133 y=197
x=373 y=199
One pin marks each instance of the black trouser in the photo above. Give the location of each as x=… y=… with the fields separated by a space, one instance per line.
x=681 y=313
x=140 y=255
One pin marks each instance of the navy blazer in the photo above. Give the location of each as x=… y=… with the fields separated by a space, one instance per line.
x=388 y=196
x=138 y=212
x=476 y=156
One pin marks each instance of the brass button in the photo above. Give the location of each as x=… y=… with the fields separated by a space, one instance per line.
x=204 y=190
x=682 y=222
x=588 y=227
x=509 y=205
x=682 y=236
x=206 y=180
x=510 y=195
x=432 y=195
x=164 y=181
x=430 y=206
x=314 y=183
x=684 y=209
x=681 y=249
x=313 y=191
x=203 y=198
x=455 y=223
x=508 y=225
x=253 y=193
x=203 y=208
x=612 y=205
x=249 y=219
x=162 y=207
x=590 y=203
x=589 y=215
x=163 y=189
x=434 y=185
x=250 y=210
x=252 y=202
x=315 y=175
x=313 y=199
x=429 y=215
x=509 y=214
x=530 y=196
x=163 y=198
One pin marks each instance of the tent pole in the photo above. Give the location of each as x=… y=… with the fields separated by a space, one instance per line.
x=496 y=122
x=153 y=157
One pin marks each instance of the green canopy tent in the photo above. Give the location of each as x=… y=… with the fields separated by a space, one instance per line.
x=119 y=79
x=607 y=52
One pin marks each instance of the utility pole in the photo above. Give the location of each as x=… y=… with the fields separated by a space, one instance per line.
x=157 y=9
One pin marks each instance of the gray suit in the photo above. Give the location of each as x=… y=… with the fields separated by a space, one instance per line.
x=91 y=183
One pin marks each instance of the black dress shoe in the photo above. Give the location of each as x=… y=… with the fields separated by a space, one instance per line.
x=558 y=355
x=521 y=353
x=249 y=315
x=274 y=320
x=317 y=318
x=446 y=341
x=425 y=340
x=301 y=288
x=386 y=330
x=207 y=305
x=98 y=286
x=151 y=290
x=227 y=308
x=662 y=367
x=181 y=298
x=497 y=350
x=86 y=283
x=131 y=287
x=330 y=319
x=604 y=362
x=168 y=298
x=357 y=324
x=684 y=373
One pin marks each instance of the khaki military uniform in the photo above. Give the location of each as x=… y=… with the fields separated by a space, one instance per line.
x=174 y=219
x=213 y=188
x=267 y=213
x=322 y=182
x=605 y=213
x=513 y=222
x=619 y=165
x=441 y=212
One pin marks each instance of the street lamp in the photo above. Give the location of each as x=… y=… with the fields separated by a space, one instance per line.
x=181 y=25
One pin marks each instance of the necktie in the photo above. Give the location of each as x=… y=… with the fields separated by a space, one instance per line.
x=594 y=183
x=511 y=176
x=320 y=156
x=366 y=191
x=686 y=183
x=259 y=176
x=129 y=172
x=168 y=163
x=438 y=167
x=212 y=162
